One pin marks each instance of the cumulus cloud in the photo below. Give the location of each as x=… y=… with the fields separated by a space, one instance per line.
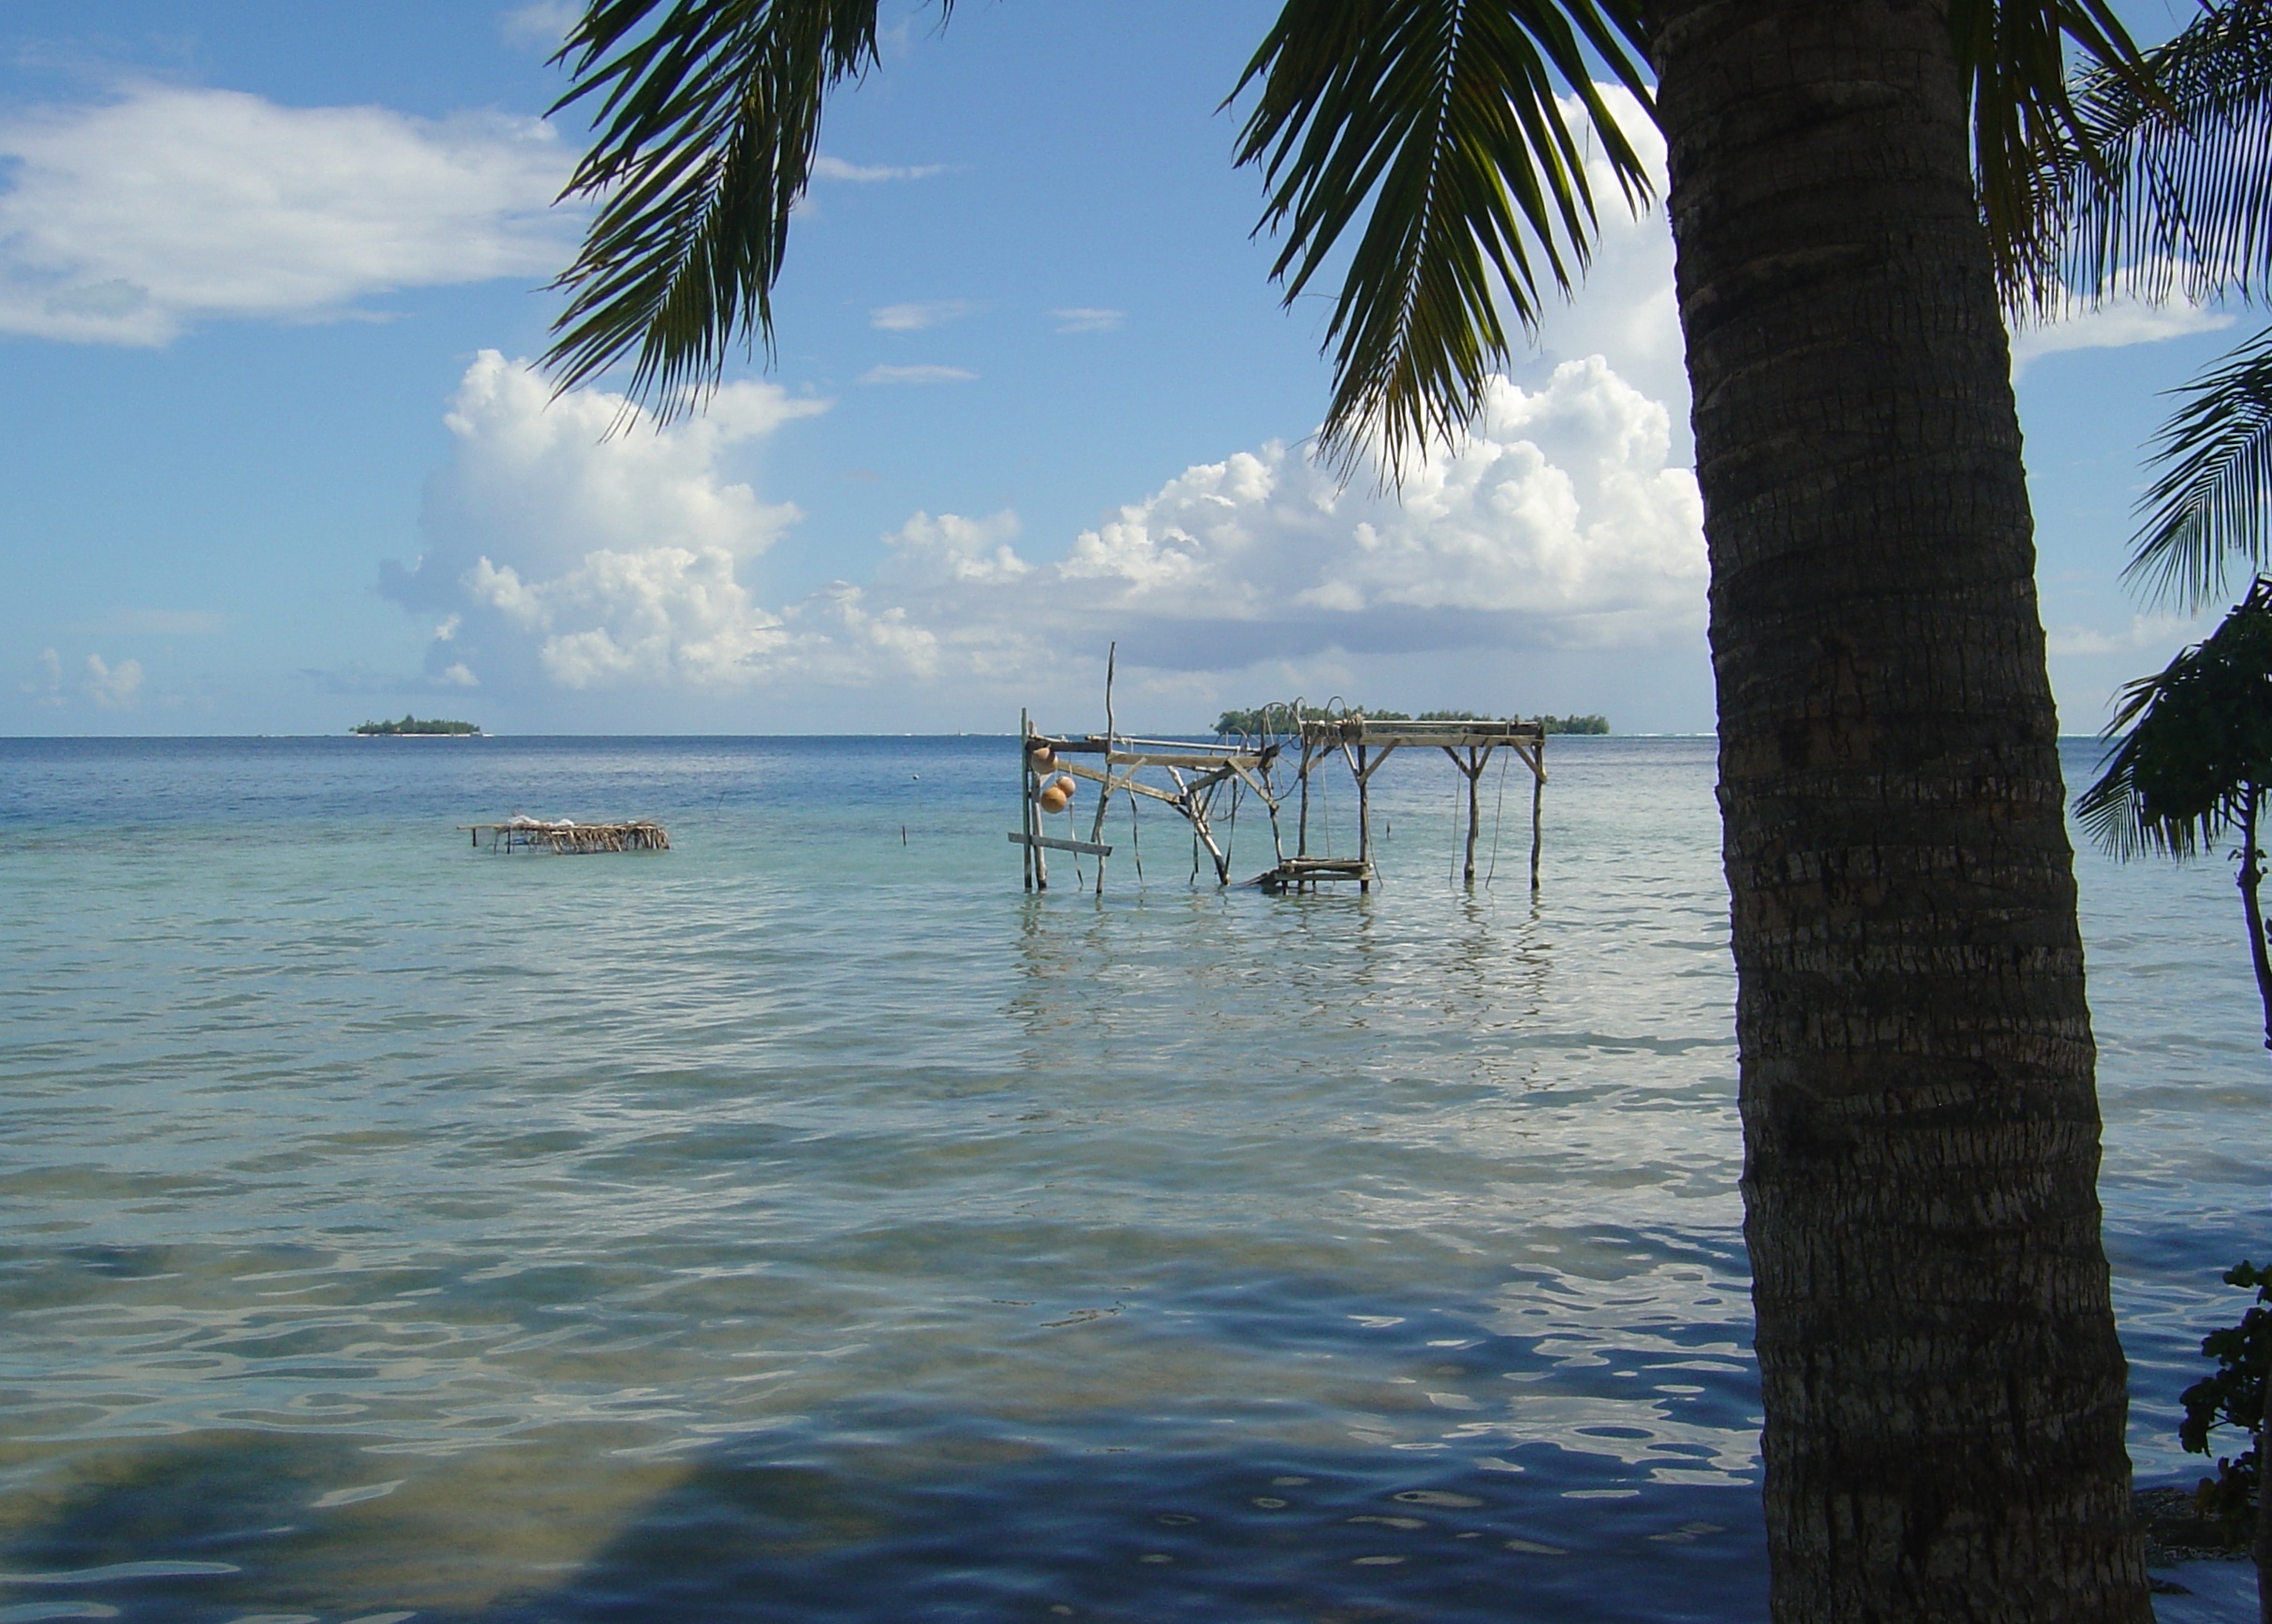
x=1625 y=308
x=577 y=531
x=1558 y=520
x=106 y=685
x=565 y=557
x=130 y=220
x=917 y=375
x=112 y=686
x=915 y=318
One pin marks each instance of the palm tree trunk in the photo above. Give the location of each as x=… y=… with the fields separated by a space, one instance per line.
x=2252 y=879
x=1944 y=1392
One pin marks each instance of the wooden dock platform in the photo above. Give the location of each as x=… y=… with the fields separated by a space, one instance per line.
x=568 y=837
x=1204 y=782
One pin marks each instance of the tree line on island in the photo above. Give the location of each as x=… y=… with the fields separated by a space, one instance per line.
x=1266 y=719
x=412 y=726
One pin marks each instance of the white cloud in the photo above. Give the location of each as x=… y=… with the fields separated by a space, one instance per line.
x=581 y=535
x=2114 y=324
x=828 y=168
x=1625 y=309
x=2144 y=631
x=1558 y=515
x=47 y=687
x=108 y=687
x=917 y=375
x=541 y=25
x=915 y=318
x=1087 y=318
x=112 y=688
x=130 y=220
x=952 y=548
x=569 y=560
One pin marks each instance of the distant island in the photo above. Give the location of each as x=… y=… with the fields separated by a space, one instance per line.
x=412 y=726
x=1237 y=722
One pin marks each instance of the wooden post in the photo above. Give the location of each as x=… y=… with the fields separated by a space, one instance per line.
x=1364 y=825
x=1301 y=848
x=1104 y=791
x=1537 y=797
x=1025 y=790
x=1474 y=770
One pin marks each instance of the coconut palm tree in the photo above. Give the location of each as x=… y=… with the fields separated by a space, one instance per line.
x=2195 y=761
x=1944 y=1391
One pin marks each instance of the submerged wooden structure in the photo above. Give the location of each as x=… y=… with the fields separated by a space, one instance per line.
x=1204 y=785
x=567 y=837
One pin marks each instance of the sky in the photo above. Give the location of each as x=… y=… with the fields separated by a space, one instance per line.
x=276 y=458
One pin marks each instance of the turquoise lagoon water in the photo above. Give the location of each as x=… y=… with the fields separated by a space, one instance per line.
x=808 y=1224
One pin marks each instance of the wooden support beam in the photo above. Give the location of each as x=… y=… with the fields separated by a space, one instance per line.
x=1051 y=841
x=1131 y=785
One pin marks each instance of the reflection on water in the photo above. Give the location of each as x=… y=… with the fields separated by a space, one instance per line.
x=808 y=1224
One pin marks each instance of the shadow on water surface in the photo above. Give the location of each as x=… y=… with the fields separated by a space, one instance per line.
x=222 y=1526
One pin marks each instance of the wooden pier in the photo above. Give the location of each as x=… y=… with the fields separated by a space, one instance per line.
x=1203 y=786
x=568 y=837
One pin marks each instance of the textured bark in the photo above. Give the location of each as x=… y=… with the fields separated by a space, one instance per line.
x=2252 y=879
x=1944 y=1393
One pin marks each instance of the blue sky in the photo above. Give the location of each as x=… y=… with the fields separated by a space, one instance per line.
x=269 y=274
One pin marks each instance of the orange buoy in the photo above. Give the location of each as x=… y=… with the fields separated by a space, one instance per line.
x=1043 y=756
x=1065 y=782
x=1053 y=799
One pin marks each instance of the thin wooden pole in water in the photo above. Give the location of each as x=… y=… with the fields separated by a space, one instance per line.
x=1364 y=825
x=1538 y=798
x=1474 y=770
x=1104 y=791
x=1025 y=790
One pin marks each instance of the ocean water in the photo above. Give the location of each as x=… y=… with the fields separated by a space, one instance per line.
x=807 y=1223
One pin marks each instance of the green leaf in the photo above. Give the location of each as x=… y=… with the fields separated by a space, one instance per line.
x=2197 y=756
x=2208 y=505
x=706 y=117
x=2177 y=194
x=2027 y=130
x=1441 y=118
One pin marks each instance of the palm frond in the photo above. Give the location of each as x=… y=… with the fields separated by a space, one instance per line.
x=706 y=118
x=2212 y=501
x=2025 y=123
x=2195 y=744
x=1445 y=117
x=2177 y=196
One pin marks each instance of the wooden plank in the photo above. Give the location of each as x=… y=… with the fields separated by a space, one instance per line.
x=1131 y=785
x=1197 y=761
x=1056 y=845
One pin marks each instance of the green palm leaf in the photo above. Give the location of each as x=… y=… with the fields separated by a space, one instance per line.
x=2209 y=503
x=2027 y=130
x=2198 y=746
x=1444 y=116
x=707 y=118
x=2179 y=196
